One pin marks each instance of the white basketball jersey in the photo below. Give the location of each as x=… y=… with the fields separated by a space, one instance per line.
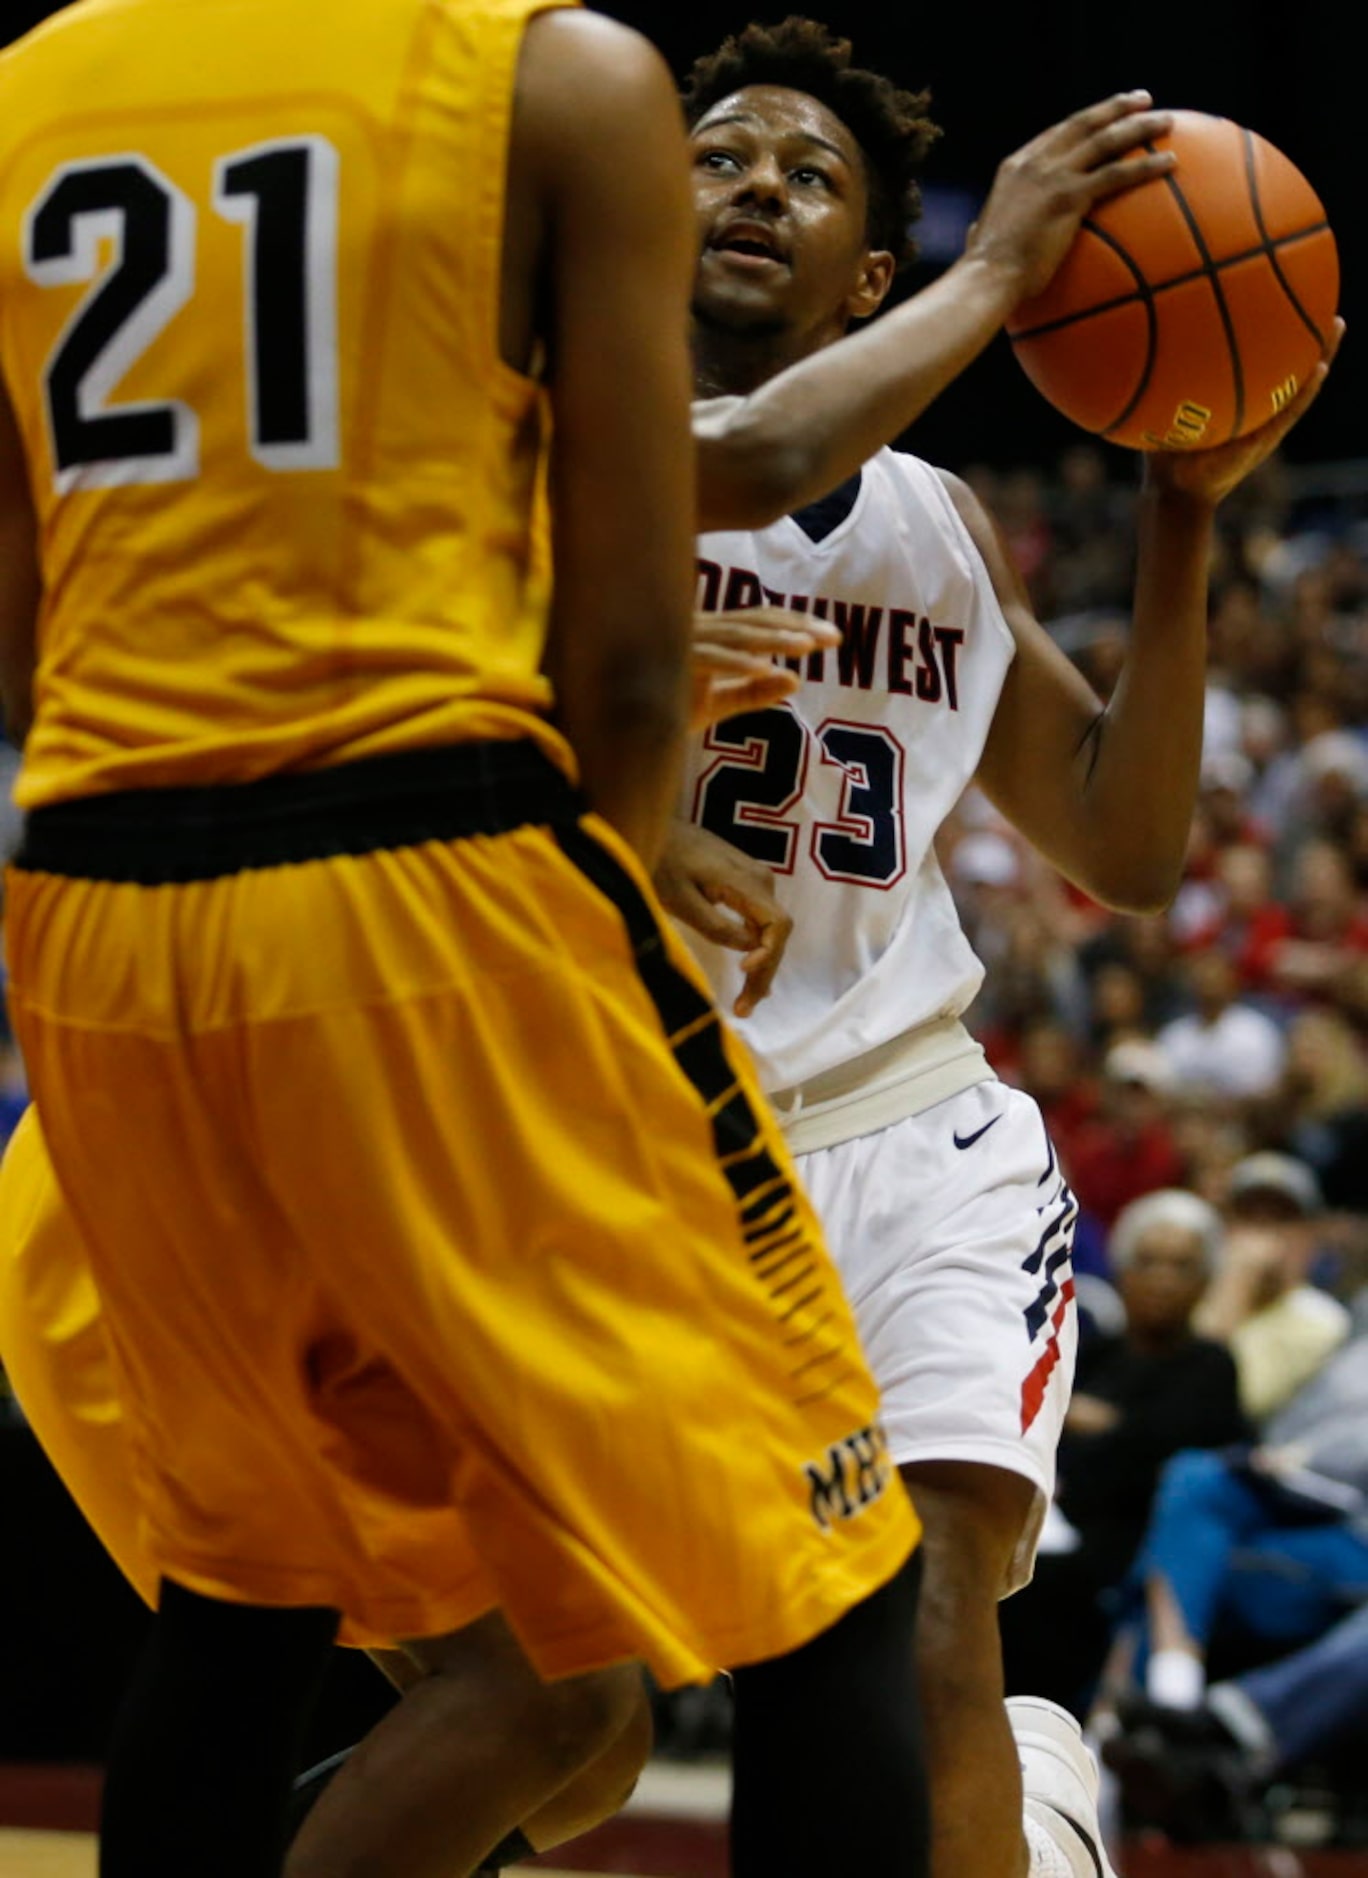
x=842 y=789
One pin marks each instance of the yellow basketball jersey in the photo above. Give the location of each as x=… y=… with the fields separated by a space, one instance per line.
x=291 y=499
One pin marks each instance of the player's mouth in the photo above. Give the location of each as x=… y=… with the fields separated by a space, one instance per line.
x=750 y=247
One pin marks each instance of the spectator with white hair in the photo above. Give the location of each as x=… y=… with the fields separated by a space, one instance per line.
x=1140 y=1395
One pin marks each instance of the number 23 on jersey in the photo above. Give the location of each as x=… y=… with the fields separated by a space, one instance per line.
x=758 y=772
x=120 y=224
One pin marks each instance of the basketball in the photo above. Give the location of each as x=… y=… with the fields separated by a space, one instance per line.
x=1191 y=309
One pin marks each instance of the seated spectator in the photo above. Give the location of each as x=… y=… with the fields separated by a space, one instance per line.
x=1223 y=1047
x=1145 y=945
x=1245 y=919
x=1326 y=944
x=1332 y=777
x=1324 y=1105
x=1128 y=1149
x=1280 y=1328
x=1212 y=1143
x=1270 y=1539
x=1116 y=1006
x=1051 y=1070
x=1140 y=1395
x=1226 y=779
x=1191 y=1772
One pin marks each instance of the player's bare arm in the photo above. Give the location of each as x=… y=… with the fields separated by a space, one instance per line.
x=807 y=429
x=599 y=158
x=1107 y=794
x=20 y=584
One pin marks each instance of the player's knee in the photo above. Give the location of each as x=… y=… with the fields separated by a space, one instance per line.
x=972 y=1521
x=582 y=1719
x=610 y=1782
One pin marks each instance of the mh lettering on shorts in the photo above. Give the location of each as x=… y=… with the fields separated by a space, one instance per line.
x=893 y=647
x=852 y=1476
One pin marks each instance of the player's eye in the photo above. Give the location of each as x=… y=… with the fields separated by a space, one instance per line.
x=718 y=160
x=807 y=175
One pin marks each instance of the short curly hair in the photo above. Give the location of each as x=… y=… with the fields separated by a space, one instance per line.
x=891 y=126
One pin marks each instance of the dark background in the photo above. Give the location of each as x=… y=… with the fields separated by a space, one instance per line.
x=1000 y=73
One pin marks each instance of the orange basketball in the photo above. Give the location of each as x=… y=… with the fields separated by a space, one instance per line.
x=1189 y=310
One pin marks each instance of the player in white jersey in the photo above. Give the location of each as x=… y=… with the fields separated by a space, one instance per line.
x=939 y=1190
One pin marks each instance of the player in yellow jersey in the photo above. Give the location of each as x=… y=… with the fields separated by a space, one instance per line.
x=436 y=1221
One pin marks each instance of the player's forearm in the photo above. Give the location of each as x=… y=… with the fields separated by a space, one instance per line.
x=1141 y=765
x=626 y=717
x=813 y=425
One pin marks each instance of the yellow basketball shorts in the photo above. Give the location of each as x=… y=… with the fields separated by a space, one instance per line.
x=447 y=1254
x=55 y=1352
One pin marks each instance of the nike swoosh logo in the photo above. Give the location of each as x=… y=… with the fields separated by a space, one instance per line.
x=967 y=1141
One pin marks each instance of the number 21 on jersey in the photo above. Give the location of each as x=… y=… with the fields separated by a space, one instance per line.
x=284 y=195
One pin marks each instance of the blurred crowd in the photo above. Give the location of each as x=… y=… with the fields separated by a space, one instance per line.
x=1201 y=1599
x=1165 y=1049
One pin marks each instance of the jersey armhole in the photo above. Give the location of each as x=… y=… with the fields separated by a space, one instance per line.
x=975 y=565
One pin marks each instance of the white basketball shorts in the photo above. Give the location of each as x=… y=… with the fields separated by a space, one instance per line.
x=953 y=1231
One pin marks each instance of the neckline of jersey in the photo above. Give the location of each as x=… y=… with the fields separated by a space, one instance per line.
x=852 y=495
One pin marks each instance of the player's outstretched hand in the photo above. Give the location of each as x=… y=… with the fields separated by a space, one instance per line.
x=728 y=898
x=733 y=658
x=1210 y=475
x=1042 y=192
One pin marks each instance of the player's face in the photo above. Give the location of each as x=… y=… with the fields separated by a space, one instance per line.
x=783 y=208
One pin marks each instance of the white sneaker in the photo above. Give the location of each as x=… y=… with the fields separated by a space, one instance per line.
x=1060 y=1778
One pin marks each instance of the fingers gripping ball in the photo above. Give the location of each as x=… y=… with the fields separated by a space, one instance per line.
x=1189 y=310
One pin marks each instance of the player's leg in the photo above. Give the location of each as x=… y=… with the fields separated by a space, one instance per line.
x=988 y=1823
x=477 y=1747
x=957 y=1263
x=829 y=1764
x=658 y=1215
x=663 y=1443
x=972 y=1519
x=602 y=1786
x=211 y=1727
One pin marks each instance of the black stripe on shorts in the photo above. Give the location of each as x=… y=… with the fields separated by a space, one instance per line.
x=689 y=1017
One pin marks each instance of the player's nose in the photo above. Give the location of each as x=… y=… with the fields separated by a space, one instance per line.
x=763 y=181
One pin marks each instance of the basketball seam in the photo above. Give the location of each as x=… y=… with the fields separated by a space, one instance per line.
x=1209 y=268
x=1146 y=299
x=1266 y=248
x=1269 y=246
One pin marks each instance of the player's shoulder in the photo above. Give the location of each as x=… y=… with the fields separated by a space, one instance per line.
x=906 y=467
x=947 y=497
x=584 y=59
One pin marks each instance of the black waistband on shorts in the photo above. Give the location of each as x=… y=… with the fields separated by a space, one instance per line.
x=161 y=837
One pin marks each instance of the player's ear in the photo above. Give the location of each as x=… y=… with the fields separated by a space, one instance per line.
x=871 y=288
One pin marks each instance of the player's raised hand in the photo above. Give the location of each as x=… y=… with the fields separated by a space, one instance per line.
x=734 y=655
x=1210 y=475
x=728 y=898
x=1042 y=191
